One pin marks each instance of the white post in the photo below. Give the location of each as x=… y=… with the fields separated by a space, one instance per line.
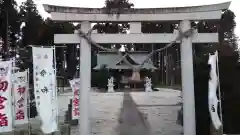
x=85 y=82
x=189 y=125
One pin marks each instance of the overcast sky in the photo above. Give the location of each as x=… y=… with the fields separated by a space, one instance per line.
x=235 y=5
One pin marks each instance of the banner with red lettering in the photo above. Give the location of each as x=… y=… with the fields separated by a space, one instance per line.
x=75 y=84
x=45 y=88
x=6 y=109
x=20 y=93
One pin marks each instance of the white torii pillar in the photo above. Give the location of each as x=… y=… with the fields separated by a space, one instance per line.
x=85 y=81
x=189 y=124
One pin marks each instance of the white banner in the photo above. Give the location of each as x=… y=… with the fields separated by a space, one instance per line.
x=75 y=84
x=20 y=93
x=212 y=92
x=6 y=109
x=45 y=88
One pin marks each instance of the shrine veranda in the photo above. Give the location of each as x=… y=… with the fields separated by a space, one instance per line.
x=181 y=15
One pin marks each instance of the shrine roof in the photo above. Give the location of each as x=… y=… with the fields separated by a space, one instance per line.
x=187 y=9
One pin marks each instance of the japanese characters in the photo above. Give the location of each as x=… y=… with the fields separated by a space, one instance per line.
x=20 y=92
x=75 y=83
x=45 y=88
x=5 y=96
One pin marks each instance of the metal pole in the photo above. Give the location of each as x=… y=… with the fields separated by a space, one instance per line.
x=189 y=125
x=56 y=84
x=153 y=54
x=167 y=60
x=171 y=70
x=162 y=65
x=29 y=105
x=219 y=93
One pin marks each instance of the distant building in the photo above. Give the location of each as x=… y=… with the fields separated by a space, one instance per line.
x=121 y=71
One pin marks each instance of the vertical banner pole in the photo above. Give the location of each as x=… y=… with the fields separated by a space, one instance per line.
x=219 y=92
x=167 y=63
x=162 y=66
x=29 y=105
x=56 y=83
x=12 y=94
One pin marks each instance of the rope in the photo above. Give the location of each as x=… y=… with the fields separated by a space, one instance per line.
x=87 y=36
x=91 y=42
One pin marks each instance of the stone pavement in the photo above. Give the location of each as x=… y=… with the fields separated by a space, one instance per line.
x=135 y=113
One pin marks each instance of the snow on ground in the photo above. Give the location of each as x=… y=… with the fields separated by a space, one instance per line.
x=135 y=113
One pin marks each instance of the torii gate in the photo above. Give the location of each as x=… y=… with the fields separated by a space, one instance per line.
x=184 y=15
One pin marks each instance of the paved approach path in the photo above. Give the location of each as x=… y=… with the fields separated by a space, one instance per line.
x=135 y=113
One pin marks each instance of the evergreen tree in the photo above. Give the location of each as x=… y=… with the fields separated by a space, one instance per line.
x=229 y=74
x=9 y=24
x=33 y=21
x=115 y=7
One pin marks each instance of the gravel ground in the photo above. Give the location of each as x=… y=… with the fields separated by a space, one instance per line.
x=135 y=113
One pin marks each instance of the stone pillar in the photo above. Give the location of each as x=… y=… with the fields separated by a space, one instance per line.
x=189 y=125
x=85 y=82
